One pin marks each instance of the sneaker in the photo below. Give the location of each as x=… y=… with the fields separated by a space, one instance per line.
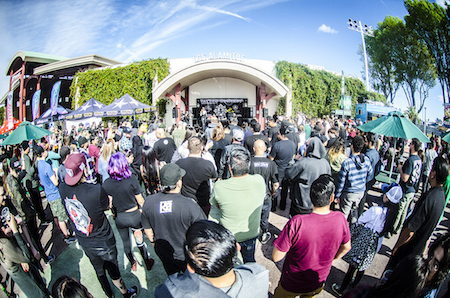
x=149 y=263
x=70 y=239
x=336 y=289
x=265 y=237
x=50 y=259
x=133 y=292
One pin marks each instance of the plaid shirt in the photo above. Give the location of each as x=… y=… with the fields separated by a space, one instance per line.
x=91 y=178
x=125 y=144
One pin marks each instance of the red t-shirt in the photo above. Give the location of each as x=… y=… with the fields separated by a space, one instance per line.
x=311 y=242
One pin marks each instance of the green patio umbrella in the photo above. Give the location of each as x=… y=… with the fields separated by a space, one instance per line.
x=446 y=138
x=3 y=136
x=25 y=132
x=395 y=125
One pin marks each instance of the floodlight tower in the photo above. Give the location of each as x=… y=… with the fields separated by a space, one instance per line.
x=366 y=30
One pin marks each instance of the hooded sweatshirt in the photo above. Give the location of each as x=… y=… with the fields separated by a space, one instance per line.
x=252 y=280
x=303 y=173
x=353 y=175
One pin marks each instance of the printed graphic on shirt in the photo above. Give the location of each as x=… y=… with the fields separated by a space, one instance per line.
x=165 y=207
x=417 y=166
x=79 y=215
x=261 y=164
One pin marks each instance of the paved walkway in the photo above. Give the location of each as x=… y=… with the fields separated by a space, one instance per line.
x=73 y=262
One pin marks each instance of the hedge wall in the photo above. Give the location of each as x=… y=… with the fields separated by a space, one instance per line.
x=317 y=92
x=107 y=84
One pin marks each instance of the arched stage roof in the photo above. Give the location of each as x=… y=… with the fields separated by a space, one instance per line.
x=200 y=71
x=16 y=61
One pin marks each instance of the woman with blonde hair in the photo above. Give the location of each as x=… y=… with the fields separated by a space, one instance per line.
x=108 y=149
x=336 y=156
x=218 y=142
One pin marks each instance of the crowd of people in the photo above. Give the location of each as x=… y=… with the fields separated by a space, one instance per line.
x=202 y=196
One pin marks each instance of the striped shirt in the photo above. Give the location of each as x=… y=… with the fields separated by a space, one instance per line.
x=353 y=175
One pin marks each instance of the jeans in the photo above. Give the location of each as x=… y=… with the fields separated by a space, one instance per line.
x=349 y=205
x=248 y=250
x=265 y=211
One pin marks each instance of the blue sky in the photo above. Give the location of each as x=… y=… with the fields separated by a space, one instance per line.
x=309 y=32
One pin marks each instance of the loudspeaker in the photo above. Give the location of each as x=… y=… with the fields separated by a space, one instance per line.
x=196 y=112
x=174 y=113
x=246 y=113
x=265 y=112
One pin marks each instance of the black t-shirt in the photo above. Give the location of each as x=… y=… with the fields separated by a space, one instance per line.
x=250 y=140
x=123 y=192
x=412 y=167
x=267 y=169
x=85 y=204
x=164 y=149
x=196 y=181
x=294 y=137
x=425 y=218
x=170 y=215
x=217 y=150
x=283 y=152
x=273 y=134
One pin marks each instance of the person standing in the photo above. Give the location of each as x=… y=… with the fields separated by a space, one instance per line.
x=257 y=135
x=409 y=181
x=24 y=207
x=310 y=243
x=199 y=172
x=352 y=180
x=282 y=154
x=83 y=144
x=167 y=215
x=374 y=157
x=303 y=173
x=86 y=203
x=164 y=147
x=49 y=180
x=239 y=200
x=426 y=215
x=268 y=170
x=125 y=196
x=31 y=183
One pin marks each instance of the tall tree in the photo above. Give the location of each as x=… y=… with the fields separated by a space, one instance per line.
x=416 y=69
x=382 y=60
x=399 y=59
x=431 y=23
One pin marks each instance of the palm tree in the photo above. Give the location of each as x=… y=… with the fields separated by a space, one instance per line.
x=412 y=115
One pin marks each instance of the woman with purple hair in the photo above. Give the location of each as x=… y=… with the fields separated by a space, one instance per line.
x=125 y=196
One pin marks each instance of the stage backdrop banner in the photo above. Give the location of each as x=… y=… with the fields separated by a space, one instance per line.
x=54 y=97
x=9 y=111
x=35 y=104
x=223 y=106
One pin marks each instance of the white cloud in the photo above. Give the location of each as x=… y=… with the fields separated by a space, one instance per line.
x=326 y=29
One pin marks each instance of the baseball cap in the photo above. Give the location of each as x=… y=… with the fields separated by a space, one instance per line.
x=38 y=150
x=14 y=163
x=75 y=165
x=81 y=141
x=126 y=130
x=393 y=192
x=64 y=151
x=170 y=174
x=286 y=127
x=238 y=134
